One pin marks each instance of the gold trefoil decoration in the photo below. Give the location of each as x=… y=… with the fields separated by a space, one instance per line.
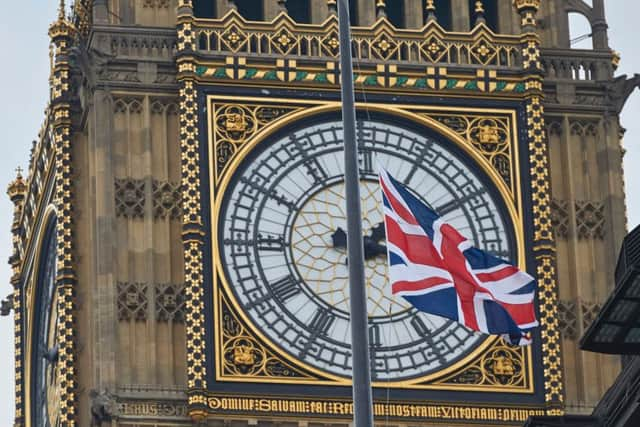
x=500 y=365
x=244 y=356
x=234 y=125
x=490 y=136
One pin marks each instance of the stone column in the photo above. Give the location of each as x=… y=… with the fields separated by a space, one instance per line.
x=100 y=12
x=222 y=7
x=366 y=12
x=460 y=15
x=103 y=294
x=319 y=11
x=413 y=12
x=506 y=19
x=599 y=26
x=271 y=9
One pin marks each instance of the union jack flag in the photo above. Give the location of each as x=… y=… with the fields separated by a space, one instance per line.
x=438 y=271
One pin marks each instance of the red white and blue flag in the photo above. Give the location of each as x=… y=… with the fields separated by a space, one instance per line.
x=438 y=271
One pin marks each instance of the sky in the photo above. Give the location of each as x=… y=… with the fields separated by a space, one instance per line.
x=24 y=91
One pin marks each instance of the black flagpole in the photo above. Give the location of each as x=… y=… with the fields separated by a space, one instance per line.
x=362 y=398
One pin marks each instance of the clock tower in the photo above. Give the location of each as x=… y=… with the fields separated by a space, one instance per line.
x=179 y=239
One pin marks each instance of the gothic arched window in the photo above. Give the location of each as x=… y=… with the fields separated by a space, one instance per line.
x=395 y=13
x=251 y=10
x=204 y=8
x=580 y=36
x=299 y=11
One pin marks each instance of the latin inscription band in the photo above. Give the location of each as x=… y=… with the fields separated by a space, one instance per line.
x=334 y=408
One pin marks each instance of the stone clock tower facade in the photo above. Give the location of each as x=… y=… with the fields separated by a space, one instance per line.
x=179 y=253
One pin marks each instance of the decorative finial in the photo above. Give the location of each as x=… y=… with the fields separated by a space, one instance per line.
x=381 y=8
x=615 y=59
x=282 y=5
x=430 y=7
x=527 y=9
x=17 y=188
x=479 y=11
x=333 y=6
x=61 y=11
x=232 y=4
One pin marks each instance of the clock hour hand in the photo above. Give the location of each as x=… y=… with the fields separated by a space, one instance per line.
x=372 y=245
x=339 y=239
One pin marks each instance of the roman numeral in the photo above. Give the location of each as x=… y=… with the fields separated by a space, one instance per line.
x=285 y=288
x=273 y=194
x=420 y=327
x=270 y=243
x=313 y=166
x=423 y=331
x=456 y=203
x=374 y=336
x=366 y=161
x=321 y=322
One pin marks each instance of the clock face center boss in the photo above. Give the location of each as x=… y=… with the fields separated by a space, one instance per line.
x=284 y=246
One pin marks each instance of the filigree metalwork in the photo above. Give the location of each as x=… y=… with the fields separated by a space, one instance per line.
x=234 y=124
x=500 y=365
x=543 y=236
x=381 y=41
x=244 y=356
x=192 y=220
x=489 y=135
x=62 y=33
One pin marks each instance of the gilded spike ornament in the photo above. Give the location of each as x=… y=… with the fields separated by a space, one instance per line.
x=430 y=7
x=381 y=8
x=479 y=12
x=333 y=6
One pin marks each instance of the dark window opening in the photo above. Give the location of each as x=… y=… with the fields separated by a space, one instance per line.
x=490 y=13
x=443 y=14
x=204 y=8
x=299 y=10
x=251 y=10
x=395 y=13
x=353 y=12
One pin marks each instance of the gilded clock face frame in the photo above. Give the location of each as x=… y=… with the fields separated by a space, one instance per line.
x=287 y=286
x=43 y=357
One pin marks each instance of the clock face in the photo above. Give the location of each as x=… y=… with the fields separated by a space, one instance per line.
x=44 y=342
x=282 y=243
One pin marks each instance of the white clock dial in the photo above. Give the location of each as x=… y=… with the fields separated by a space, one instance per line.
x=282 y=231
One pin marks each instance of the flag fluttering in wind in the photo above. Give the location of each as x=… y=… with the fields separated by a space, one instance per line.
x=438 y=271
